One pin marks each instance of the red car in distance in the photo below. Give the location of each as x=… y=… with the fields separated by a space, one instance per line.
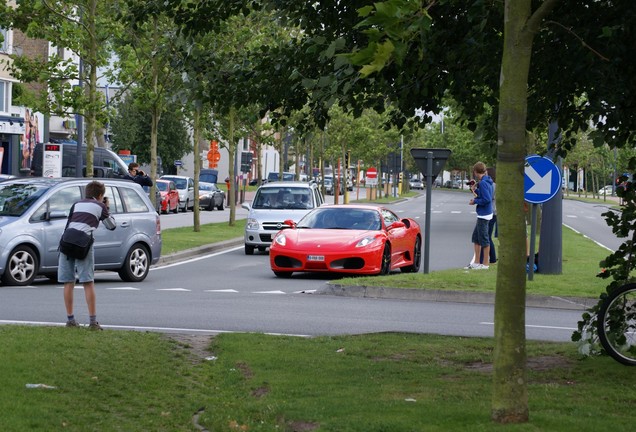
x=169 y=196
x=352 y=239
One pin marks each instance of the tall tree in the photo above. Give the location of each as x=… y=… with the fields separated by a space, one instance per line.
x=145 y=60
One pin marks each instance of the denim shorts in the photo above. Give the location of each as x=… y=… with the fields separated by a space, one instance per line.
x=85 y=268
x=480 y=233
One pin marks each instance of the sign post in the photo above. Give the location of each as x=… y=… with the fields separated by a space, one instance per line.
x=371 y=181
x=542 y=181
x=52 y=160
x=430 y=162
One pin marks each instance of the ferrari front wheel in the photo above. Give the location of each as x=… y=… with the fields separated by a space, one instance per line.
x=281 y=274
x=385 y=267
x=417 y=258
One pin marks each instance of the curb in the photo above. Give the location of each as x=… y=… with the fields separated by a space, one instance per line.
x=548 y=302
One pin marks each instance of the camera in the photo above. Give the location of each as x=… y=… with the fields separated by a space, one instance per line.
x=470 y=182
x=105 y=200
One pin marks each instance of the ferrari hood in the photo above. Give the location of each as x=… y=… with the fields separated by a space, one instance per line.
x=327 y=238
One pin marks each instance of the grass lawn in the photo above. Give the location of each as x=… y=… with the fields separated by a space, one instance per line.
x=581 y=258
x=133 y=381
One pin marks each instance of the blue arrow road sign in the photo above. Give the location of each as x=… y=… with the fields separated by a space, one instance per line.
x=542 y=179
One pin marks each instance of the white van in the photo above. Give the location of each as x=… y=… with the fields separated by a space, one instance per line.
x=273 y=204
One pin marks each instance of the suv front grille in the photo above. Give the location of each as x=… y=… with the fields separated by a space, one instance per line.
x=272 y=226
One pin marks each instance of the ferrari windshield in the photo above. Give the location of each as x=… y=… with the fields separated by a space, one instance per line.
x=342 y=218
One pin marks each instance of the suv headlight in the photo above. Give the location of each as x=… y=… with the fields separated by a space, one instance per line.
x=252 y=224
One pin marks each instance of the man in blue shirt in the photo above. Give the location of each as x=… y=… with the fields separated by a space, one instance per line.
x=483 y=197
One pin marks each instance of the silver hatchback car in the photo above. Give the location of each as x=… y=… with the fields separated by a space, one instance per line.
x=33 y=214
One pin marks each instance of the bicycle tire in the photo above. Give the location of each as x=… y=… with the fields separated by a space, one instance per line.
x=616 y=324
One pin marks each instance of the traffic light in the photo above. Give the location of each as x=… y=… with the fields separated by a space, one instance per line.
x=246 y=162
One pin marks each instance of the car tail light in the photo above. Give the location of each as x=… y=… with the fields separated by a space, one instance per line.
x=158 y=224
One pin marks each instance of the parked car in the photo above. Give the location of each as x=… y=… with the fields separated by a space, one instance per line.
x=416 y=183
x=274 y=203
x=354 y=239
x=209 y=175
x=147 y=189
x=33 y=215
x=210 y=196
x=287 y=176
x=452 y=184
x=328 y=182
x=185 y=187
x=169 y=196
x=606 y=190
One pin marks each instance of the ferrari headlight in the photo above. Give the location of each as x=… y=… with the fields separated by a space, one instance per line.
x=281 y=239
x=252 y=224
x=366 y=241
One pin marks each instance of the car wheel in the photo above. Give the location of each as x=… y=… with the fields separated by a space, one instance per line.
x=186 y=206
x=385 y=267
x=285 y=275
x=136 y=265
x=176 y=208
x=417 y=258
x=220 y=206
x=249 y=250
x=22 y=267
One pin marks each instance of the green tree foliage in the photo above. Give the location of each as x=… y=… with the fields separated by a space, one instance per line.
x=131 y=131
x=84 y=27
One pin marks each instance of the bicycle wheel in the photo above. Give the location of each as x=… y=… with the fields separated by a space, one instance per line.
x=616 y=323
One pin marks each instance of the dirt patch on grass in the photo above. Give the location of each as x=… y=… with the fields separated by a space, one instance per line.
x=537 y=364
x=197 y=346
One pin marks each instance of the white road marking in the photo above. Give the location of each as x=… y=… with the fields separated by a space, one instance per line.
x=173 y=289
x=222 y=291
x=268 y=292
x=536 y=326
x=305 y=292
x=142 y=328
x=124 y=289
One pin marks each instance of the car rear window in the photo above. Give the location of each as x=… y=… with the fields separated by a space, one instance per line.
x=133 y=202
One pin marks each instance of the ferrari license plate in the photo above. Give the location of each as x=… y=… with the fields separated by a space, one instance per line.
x=315 y=257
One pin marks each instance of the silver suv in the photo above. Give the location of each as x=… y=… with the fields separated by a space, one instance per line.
x=273 y=204
x=33 y=214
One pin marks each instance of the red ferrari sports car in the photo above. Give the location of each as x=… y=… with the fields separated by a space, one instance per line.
x=356 y=239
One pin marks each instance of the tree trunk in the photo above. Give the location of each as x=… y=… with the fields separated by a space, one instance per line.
x=91 y=88
x=510 y=391
x=231 y=149
x=197 y=165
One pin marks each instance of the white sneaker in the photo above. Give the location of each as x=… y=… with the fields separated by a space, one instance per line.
x=481 y=267
x=472 y=265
